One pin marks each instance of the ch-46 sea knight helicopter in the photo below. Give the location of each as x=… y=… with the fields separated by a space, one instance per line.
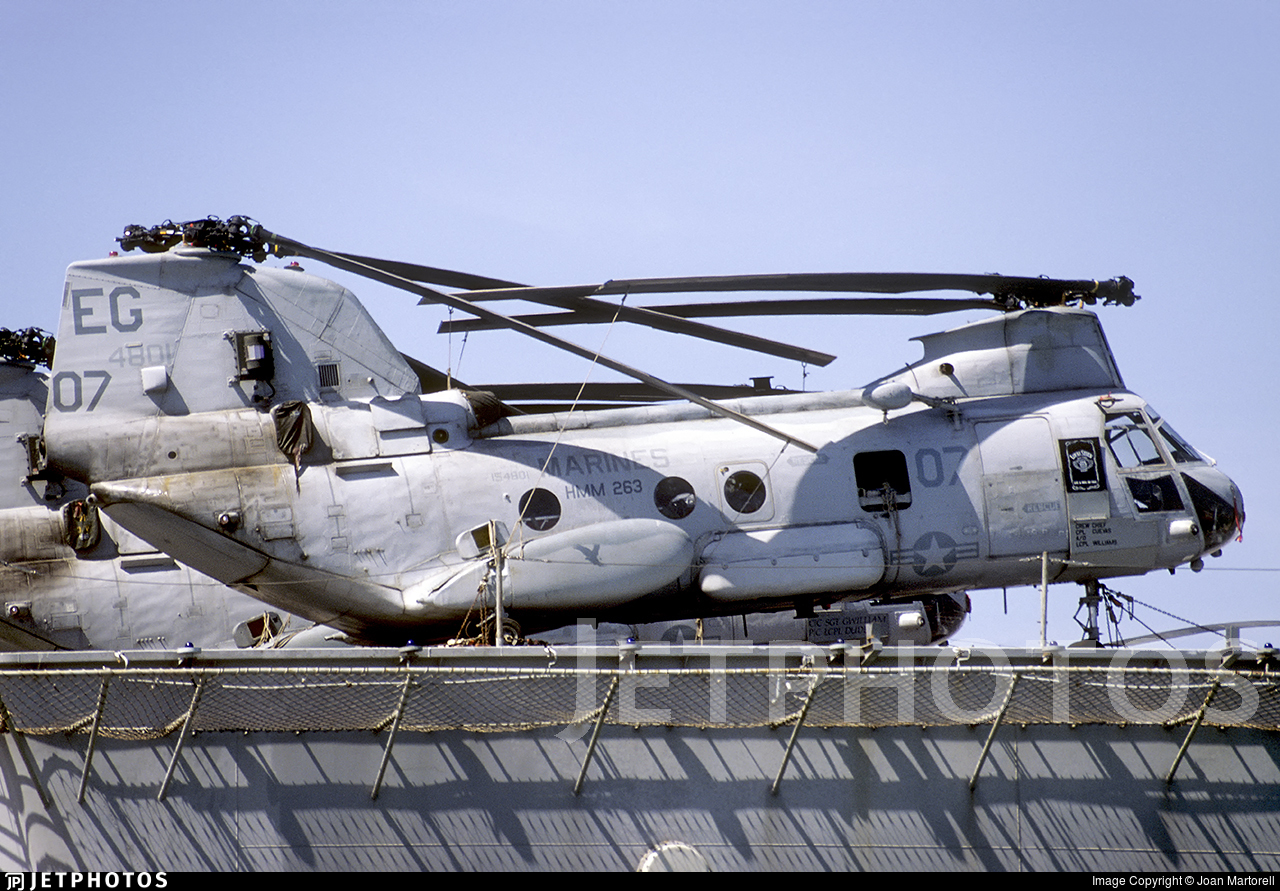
x=258 y=426
x=71 y=578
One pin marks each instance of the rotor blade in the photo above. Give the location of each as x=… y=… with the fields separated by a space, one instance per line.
x=620 y=392
x=432 y=379
x=396 y=281
x=1036 y=291
x=431 y=275
x=829 y=306
x=598 y=310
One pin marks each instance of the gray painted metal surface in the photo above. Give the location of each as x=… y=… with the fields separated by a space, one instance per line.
x=863 y=791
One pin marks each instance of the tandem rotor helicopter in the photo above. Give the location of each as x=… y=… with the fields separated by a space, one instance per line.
x=257 y=426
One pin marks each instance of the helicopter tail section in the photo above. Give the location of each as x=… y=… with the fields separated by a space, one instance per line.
x=189 y=331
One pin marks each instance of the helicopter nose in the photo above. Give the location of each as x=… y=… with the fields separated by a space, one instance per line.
x=1217 y=502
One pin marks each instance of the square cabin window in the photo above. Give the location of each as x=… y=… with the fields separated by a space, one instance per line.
x=882 y=480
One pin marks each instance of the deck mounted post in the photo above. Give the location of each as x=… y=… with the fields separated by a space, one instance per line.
x=93 y=737
x=1195 y=725
x=182 y=736
x=595 y=734
x=995 y=725
x=795 y=732
x=395 y=728
x=27 y=758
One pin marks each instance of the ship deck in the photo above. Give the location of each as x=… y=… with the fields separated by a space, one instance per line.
x=591 y=758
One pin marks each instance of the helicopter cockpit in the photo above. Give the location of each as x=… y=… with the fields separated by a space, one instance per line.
x=1142 y=442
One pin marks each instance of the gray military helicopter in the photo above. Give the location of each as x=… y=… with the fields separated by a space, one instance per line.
x=70 y=577
x=256 y=425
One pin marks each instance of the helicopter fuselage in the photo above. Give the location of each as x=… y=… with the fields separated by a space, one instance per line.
x=321 y=483
x=638 y=516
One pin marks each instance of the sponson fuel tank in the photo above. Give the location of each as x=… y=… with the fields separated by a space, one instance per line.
x=774 y=562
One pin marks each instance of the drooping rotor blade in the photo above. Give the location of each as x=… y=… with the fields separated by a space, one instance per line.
x=1006 y=289
x=534 y=398
x=597 y=310
x=295 y=247
x=610 y=391
x=540 y=398
x=446 y=278
x=829 y=306
x=432 y=380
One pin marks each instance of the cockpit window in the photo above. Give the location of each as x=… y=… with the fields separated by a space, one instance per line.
x=1130 y=441
x=1159 y=494
x=1179 y=449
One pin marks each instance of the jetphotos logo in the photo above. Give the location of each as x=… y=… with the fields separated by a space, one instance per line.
x=903 y=685
x=32 y=881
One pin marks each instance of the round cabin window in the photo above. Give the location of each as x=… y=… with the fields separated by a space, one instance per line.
x=539 y=509
x=744 y=492
x=674 y=498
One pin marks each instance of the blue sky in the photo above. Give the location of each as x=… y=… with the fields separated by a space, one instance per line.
x=566 y=142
